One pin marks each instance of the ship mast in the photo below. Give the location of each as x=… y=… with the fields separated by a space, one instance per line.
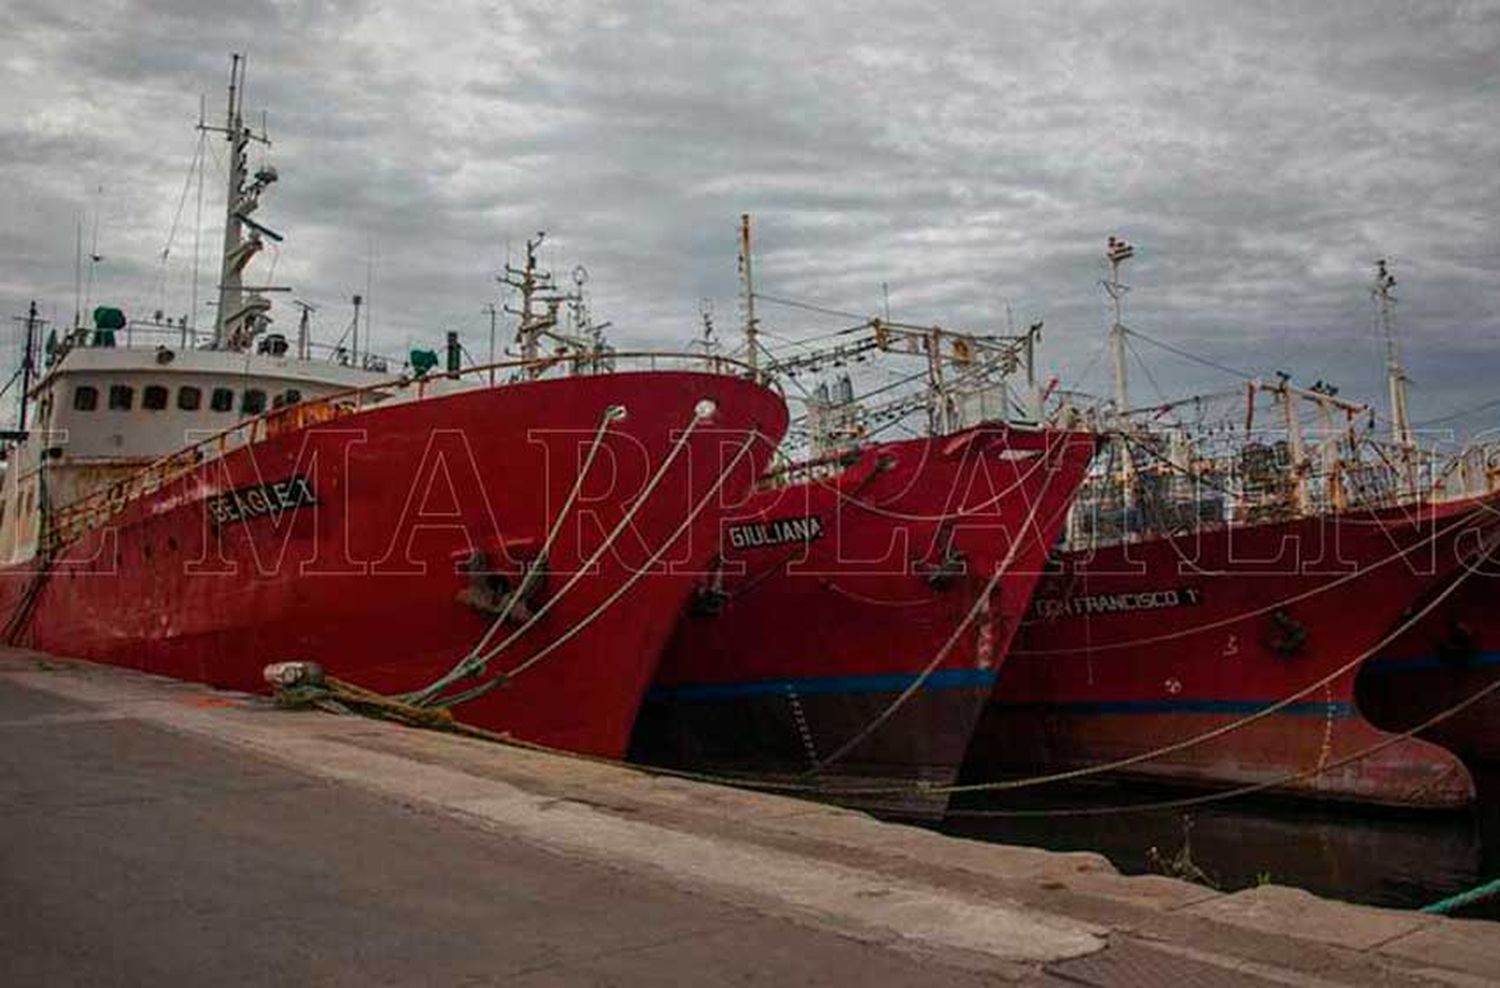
x=1385 y=303
x=240 y=317
x=747 y=290
x=529 y=281
x=1116 y=253
x=33 y=324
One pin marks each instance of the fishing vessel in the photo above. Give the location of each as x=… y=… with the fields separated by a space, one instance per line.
x=513 y=542
x=1439 y=678
x=1207 y=617
x=867 y=591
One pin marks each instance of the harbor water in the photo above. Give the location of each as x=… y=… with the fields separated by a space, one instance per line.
x=1401 y=859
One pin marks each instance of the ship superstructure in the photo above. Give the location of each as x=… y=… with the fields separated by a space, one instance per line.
x=512 y=541
x=866 y=594
x=1222 y=582
x=119 y=395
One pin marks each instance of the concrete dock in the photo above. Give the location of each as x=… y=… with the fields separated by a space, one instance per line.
x=155 y=832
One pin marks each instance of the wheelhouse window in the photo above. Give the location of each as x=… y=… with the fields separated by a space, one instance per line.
x=85 y=398
x=121 y=397
x=254 y=402
x=189 y=399
x=222 y=400
x=154 y=397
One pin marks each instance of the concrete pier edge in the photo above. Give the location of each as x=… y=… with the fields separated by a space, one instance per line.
x=972 y=904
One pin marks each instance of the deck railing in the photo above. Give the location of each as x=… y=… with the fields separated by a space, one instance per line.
x=72 y=521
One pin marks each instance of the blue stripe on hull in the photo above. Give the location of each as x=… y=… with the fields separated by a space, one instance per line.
x=1428 y=663
x=942 y=679
x=1319 y=708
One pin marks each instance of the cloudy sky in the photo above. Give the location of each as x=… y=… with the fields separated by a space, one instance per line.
x=972 y=156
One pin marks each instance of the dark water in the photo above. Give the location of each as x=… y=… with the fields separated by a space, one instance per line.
x=1358 y=854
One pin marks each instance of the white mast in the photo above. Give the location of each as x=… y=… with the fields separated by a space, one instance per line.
x=304 y=330
x=239 y=317
x=1118 y=252
x=747 y=287
x=1385 y=302
x=1295 y=446
x=489 y=307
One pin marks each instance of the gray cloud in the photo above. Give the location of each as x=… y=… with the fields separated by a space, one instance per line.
x=973 y=157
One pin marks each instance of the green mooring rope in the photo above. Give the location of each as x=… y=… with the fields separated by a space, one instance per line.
x=1477 y=894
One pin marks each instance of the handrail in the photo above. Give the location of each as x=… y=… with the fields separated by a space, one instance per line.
x=71 y=521
x=144 y=337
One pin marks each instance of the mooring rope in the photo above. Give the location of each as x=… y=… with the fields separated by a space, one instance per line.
x=1197 y=739
x=1484 y=507
x=1479 y=893
x=25 y=609
x=466 y=665
x=919 y=788
x=981 y=599
x=479 y=662
x=881 y=511
x=927 y=789
x=1188 y=802
x=338 y=697
x=619 y=591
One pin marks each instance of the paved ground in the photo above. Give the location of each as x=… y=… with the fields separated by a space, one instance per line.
x=158 y=833
x=131 y=855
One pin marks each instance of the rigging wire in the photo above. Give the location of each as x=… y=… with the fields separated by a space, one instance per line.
x=810 y=307
x=1188 y=355
x=160 y=288
x=1093 y=361
x=1482 y=407
x=1146 y=368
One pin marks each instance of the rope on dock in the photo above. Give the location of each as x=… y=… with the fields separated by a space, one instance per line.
x=1477 y=894
x=335 y=693
x=337 y=696
x=304 y=684
x=342 y=697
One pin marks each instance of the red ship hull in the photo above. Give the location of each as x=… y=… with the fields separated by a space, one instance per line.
x=1143 y=645
x=826 y=661
x=1449 y=656
x=397 y=524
